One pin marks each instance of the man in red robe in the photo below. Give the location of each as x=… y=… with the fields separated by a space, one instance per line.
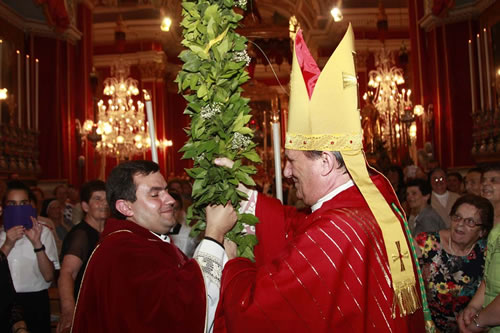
x=347 y=265
x=136 y=280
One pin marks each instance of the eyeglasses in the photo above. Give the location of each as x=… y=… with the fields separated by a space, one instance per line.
x=470 y=222
x=438 y=180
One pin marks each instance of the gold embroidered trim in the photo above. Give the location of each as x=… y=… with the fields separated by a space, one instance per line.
x=324 y=142
x=406 y=298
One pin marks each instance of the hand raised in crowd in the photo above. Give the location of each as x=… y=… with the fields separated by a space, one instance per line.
x=220 y=219
x=14 y=234
x=231 y=249
x=35 y=233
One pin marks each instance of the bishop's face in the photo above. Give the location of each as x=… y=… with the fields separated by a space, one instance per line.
x=154 y=207
x=304 y=172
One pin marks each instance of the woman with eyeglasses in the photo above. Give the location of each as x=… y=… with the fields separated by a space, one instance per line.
x=452 y=260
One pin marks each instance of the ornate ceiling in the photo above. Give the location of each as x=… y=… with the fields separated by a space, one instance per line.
x=264 y=19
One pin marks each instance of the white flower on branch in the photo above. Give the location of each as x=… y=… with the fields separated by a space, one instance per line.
x=242 y=56
x=241 y=3
x=200 y=158
x=240 y=141
x=209 y=110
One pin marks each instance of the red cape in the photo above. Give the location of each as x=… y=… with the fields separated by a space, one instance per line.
x=323 y=272
x=134 y=282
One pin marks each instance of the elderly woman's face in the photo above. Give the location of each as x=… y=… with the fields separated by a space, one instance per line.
x=462 y=231
x=55 y=210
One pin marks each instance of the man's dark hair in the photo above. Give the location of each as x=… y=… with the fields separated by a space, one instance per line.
x=89 y=188
x=478 y=170
x=429 y=178
x=16 y=185
x=483 y=205
x=491 y=167
x=455 y=174
x=120 y=184
x=58 y=187
x=315 y=154
x=173 y=181
x=424 y=186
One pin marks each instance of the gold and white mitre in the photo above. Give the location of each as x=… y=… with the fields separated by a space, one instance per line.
x=324 y=115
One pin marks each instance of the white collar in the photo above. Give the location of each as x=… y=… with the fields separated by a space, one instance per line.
x=164 y=238
x=442 y=196
x=332 y=194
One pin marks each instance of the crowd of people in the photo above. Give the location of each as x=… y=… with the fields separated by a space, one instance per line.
x=452 y=219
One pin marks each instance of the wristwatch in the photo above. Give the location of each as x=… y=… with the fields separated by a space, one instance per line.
x=40 y=249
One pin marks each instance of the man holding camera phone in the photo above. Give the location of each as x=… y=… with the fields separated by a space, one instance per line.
x=32 y=256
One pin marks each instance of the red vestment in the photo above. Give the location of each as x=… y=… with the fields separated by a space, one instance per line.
x=323 y=272
x=135 y=282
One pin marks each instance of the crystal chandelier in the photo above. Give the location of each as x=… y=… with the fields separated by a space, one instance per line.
x=394 y=106
x=120 y=124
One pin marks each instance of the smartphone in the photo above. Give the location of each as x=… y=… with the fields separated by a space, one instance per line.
x=18 y=215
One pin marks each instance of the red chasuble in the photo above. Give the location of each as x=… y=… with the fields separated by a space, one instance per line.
x=323 y=272
x=135 y=282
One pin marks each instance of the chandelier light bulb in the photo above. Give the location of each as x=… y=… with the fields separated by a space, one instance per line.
x=107 y=128
x=3 y=94
x=336 y=14
x=165 y=24
x=120 y=139
x=87 y=125
x=138 y=138
x=418 y=110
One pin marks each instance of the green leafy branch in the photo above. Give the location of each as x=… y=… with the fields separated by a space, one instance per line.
x=214 y=69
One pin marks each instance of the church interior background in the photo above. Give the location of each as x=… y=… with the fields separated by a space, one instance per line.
x=59 y=59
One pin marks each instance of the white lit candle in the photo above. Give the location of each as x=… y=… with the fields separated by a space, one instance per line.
x=18 y=88
x=486 y=60
x=28 y=104
x=472 y=83
x=36 y=94
x=151 y=121
x=480 y=71
x=1 y=44
x=277 y=159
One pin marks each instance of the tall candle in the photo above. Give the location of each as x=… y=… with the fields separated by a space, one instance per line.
x=151 y=121
x=36 y=94
x=28 y=99
x=480 y=71
x=1 y=44
x=488 y=76
x=472 y=83
x=19 y=88
x=277 y=159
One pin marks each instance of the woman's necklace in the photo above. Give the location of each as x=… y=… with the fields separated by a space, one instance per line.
x=453 y=251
